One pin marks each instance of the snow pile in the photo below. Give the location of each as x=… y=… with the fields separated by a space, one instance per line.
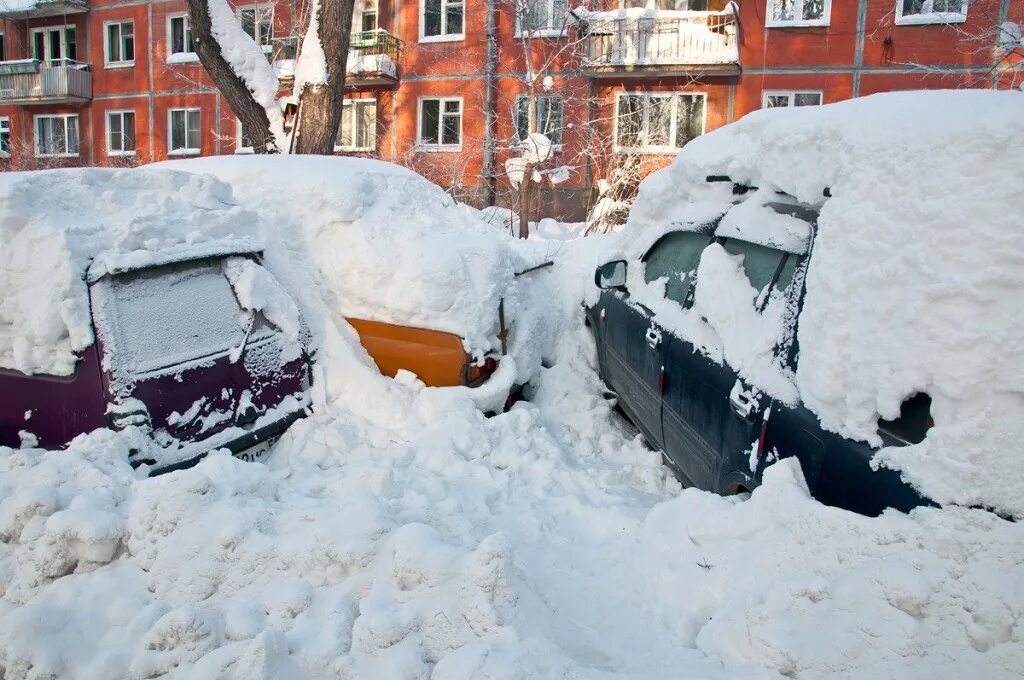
x=387 y=244
x=914 y=284
x=56 y=222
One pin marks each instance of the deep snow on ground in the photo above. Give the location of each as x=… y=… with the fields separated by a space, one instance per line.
x=399 y=533
x=546 y=542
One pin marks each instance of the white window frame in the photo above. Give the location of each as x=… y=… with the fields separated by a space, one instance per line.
x=515 y=117
x=46 y=43
x=672 y=131
x=552 y=31
x=179 y=57
x=35 y=135
x=106 y=118
x=798 y=11
x=792 y=96
x=123 y=63
x=239 y=149
x=429 y=146
x=443 y=37
x=187 y=150
x=256 y=8
x=930 y=17
x=366 y=149
x=5 y=127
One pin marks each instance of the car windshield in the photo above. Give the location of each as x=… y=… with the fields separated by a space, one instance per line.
x=167 y=315
x=675 y=256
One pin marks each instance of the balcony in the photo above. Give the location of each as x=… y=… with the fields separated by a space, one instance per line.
x=659 y=43
x=373 y=58
x=37 y=9
x=30 y=81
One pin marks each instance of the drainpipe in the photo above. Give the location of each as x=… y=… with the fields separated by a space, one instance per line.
x=489 y=77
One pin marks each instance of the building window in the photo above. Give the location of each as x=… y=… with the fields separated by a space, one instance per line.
x=369 y=20
x=547 y=117
x=54 y=44
x=658 y=122
x=120 y=45
x=180 y=36
x=931 y=11
x=184 y=132
x=3 y=47
x=441 y=20
x=440 y=124
x=258 y=23
x=120 y=133
x=541 y=16
x=5 y=137
x=358 y=130
x=57 y=135
x=779 y=98
x=798 y=12
x=243 y=140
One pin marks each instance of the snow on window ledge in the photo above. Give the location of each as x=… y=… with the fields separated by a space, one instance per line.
x=120 y=154
x=182 y=58
x=56 y=155
x=931 y=18
x=354 y=149
x=442 y=38
x=542 y=33
x=796 y=23
x=119 y=64
x=244 y=151
x=438 y=148
x=184 y=152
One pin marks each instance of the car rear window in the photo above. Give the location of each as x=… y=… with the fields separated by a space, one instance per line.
x=675 y=256
x=168 y=315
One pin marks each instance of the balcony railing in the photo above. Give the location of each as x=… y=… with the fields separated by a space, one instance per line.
x=35 y=9
x=30 y=81
x=373 y=58
x=683 y=41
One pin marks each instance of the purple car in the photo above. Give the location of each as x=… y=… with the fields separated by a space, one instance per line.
x=175 y=354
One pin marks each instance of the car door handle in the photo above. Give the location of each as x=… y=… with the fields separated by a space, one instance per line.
x=653 y=337
x=741 y=401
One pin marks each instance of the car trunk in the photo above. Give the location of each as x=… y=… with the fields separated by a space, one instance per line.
x=175 y=338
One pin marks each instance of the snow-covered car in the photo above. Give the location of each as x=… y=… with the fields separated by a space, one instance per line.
x=771 y=301
x=190 y=341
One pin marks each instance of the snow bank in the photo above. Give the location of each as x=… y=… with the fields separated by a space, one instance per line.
x=914 y=285
x=56 y=222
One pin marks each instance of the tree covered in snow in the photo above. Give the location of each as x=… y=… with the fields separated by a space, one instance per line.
x=245 y=77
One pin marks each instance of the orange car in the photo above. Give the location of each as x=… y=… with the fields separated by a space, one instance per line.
x=438 y=358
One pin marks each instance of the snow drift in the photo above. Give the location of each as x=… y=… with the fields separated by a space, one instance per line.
x=915 y=278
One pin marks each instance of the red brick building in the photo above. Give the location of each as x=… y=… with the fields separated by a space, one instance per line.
x=111 y=82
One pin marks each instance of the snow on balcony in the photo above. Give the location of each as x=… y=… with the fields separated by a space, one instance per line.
x=640 y=38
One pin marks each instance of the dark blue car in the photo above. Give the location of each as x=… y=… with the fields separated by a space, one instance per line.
x=716 y=432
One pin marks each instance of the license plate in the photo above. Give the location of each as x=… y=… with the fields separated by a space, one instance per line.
x=259 y=452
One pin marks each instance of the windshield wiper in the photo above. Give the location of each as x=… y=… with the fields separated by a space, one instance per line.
x=236 y=352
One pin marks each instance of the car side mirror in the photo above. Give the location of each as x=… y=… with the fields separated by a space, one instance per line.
x=611 y=275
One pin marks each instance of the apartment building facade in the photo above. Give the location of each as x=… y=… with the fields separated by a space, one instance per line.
x=450 y=87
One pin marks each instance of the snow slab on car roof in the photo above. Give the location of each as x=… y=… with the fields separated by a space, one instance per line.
x=917 y=269
x=57 y=222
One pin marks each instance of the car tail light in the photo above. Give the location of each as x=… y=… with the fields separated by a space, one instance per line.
x=475 y=374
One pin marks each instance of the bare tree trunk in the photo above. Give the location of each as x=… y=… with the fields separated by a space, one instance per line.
x=320 y=104
x=240 y=99
x=524 y=201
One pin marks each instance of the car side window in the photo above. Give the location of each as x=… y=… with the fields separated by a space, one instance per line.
x=675 y=256
x=759 y=262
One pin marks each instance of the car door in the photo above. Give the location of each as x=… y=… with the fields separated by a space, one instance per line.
x=632 y=353
x=712 y=418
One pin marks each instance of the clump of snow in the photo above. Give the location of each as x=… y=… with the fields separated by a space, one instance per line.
x=311 y=64
x=915 y=277
x=249 y=63
x=257 y=290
